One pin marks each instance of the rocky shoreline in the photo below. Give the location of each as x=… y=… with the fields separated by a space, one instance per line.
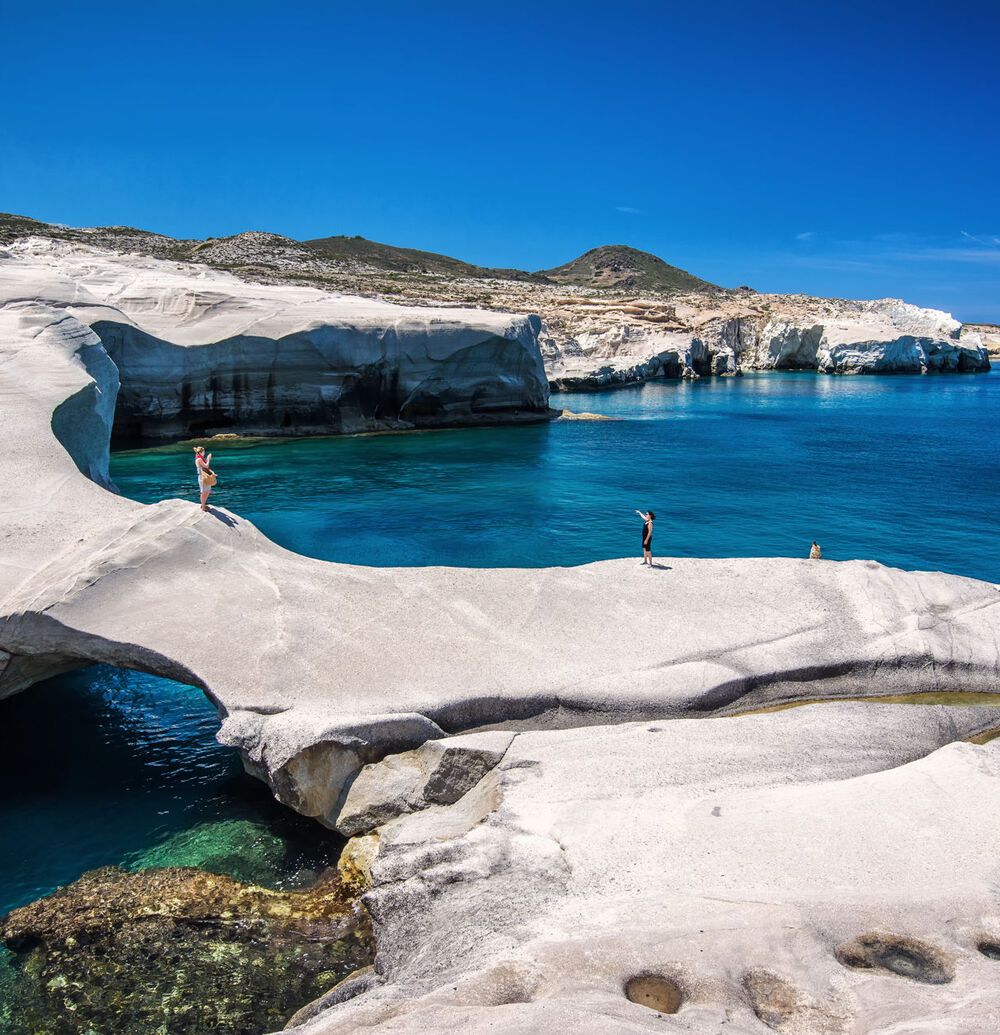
x=561 y=827
x=177 y=950
x=604 y=322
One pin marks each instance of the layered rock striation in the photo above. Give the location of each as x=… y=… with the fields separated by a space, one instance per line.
x=199 y=351
x=567 y=819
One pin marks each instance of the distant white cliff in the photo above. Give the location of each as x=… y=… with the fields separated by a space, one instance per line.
x=613 y=316
x=607 y=342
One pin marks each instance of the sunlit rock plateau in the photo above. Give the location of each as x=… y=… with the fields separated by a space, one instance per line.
x=567 y=818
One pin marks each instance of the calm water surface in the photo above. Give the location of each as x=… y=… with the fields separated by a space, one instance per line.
x=900 y=469
x=105 y=766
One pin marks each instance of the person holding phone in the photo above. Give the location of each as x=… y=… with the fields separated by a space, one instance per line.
x=647 y=536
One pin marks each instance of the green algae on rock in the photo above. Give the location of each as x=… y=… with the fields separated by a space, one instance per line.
x=176 y=950
x=237 y=848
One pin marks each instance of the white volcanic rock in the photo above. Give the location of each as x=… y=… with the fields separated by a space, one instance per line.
x=437 y=773
x=599 y=344
x=985 y=334
x=732 y=856
x=614 y=830
x=199 y=350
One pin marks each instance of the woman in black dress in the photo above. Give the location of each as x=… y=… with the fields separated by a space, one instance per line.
x=647 y=536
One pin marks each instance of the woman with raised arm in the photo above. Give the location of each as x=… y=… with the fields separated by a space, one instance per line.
x=647 y=536
x=206 y=476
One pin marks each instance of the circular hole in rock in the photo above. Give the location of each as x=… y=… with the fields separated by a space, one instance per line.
x=654 y=991
x=906 y=957
x=989 y=947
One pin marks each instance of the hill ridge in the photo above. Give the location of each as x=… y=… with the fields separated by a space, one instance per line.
x=610 y=266
x=625 y=267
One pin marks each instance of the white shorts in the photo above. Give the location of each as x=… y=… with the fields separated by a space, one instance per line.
x=204 y=487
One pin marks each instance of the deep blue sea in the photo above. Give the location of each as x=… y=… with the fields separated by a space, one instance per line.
x=106 y=767
x=900 y=469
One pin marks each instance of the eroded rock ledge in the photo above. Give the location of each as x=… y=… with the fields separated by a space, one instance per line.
x=564 y=839
x=199 y=351
x=603 y=343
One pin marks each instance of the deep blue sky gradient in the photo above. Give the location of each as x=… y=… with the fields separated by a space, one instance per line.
x=843 y=149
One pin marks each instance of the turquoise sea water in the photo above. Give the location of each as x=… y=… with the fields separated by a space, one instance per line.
x=900 y=469
x=102 y=766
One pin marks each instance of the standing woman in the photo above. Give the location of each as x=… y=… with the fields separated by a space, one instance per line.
x=206 y=476
x=647 y=536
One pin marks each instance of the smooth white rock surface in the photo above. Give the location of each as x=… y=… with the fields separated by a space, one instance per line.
x=200 y=350
x=705 y=850
x=611 y=837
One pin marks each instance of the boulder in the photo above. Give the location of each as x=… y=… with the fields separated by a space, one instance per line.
x=439 y=772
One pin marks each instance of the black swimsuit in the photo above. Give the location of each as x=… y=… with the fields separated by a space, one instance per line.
x=647 y=535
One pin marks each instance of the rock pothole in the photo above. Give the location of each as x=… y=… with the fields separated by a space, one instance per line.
x=777 y=1003
x=774 y=1000
x=906 y=957
x=656 y=992
x=989 y=947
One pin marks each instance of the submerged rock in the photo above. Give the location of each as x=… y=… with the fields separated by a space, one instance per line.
x=237 y=848
x=176 y=950
x=570 y=415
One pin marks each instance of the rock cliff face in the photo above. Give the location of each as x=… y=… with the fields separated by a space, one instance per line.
x=200 y=351
x=986 y=334
x=609 y=343
x=568 y=826
x=613 y=316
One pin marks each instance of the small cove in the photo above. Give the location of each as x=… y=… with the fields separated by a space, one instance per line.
x=109 y=767
x=903 y=470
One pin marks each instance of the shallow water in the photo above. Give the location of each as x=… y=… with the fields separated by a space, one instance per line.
x=899 y=469
x=114 y=767
x=105 y=767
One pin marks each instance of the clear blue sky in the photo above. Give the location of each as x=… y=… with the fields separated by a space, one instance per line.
x=834 y=148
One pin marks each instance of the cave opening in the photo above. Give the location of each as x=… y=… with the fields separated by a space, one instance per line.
x=111 y=766
x=122 y=803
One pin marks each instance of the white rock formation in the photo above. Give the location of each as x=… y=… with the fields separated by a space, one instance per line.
x=746 y=860
x=609 y=342
x=985 y=334
x=590 y=337
x=780 y=870
x=201 y=351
